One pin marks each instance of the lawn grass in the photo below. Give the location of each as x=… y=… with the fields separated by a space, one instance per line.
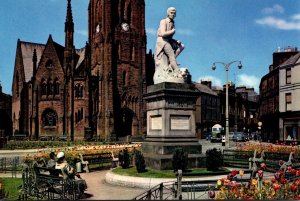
x=165 y=173
x=11 y=187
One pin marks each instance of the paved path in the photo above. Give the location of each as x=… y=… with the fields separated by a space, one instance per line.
x=100 y=190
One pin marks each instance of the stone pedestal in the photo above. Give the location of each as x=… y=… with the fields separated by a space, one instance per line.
x=171 y=124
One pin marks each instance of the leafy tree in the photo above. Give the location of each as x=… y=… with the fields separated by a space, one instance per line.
x=214 y=159
x=124 y=158
x=140 y=162
x=180 y=160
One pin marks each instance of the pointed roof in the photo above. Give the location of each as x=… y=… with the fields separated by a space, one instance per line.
x=291 y=61
x=69 y=24
x=27 y=49
x=205 y=89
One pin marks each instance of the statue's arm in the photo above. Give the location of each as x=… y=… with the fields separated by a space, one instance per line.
x=163 y=30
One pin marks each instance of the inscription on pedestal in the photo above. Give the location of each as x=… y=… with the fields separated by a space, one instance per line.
x=156 y=122
x=180 y=122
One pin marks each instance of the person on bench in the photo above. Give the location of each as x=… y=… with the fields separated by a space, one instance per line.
x=51 y=165
x=69 y=172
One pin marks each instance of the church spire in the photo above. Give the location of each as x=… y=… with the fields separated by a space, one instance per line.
x=69 y=27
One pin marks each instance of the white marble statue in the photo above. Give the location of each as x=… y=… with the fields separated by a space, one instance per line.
x=167 y=49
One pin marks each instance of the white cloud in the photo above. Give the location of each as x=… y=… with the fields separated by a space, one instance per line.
x=215 y=81
x=249 y=81
x=82 y=32
x=279 y=23
x=296 y=17
x=151 y=31
x=274 y=9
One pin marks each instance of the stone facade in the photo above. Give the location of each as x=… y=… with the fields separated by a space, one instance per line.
x=269 y=95
x=95 y=91
x=5 y=114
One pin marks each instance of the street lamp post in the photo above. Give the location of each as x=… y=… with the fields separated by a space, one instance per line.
x=226 y=65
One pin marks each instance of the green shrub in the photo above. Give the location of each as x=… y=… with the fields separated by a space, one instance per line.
x=180 y=160
x=214 y=159
x=140 y=162
x=124 y=158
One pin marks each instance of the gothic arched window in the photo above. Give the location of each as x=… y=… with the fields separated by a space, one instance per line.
x=124 y=78
x=43 y=87
x=79 y=91
x=49 y=64
x=49 y=118
x=50 y=88
x=56 y=87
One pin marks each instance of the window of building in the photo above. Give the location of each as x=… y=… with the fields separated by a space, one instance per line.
x=124 y=78
x=79 y=91
x=49 y=118
x=56 y=87
x=49 y=64
x=43 y=87
x=288 y=76
x=288 y=101
x=50 y=88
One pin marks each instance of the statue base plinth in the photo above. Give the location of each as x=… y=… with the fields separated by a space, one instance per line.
x=170 y=125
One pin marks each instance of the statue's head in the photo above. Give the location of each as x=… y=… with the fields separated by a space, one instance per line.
x=171 y=12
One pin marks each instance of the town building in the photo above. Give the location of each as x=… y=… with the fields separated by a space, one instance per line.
x=269 y=95
x=289 y=98
x=5 y=114
x=208 y=108
x=89 y=92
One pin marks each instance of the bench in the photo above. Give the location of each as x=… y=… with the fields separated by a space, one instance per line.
x=236 y=158
x=50 y=184
x=97 y=158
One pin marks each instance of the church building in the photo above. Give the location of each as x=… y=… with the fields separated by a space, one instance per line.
x=91 y=92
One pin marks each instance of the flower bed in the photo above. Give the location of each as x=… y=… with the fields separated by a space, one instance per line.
x=269 y=147
x=258 y=188
x=72 y=153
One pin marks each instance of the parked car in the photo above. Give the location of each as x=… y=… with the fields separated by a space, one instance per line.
x=207 y=135
x=255 y=136
x=239 y=137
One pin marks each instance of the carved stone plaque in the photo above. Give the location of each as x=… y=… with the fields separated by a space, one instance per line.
x=180 y=123
x=156 y=122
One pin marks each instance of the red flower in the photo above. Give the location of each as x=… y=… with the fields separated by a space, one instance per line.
x=283 y=180
x=289 y=168
x=277 y=175
x=260 y=173
x=276 y=186
x=234 y=172
x=294 y=188
x=298 y=172
x=281 y=162
x=297 y=197
x=273 y=180
x=263 y=165
x=293 y=171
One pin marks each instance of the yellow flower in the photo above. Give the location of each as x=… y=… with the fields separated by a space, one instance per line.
x=254 y=181
x=219 y=182
x=241 y=173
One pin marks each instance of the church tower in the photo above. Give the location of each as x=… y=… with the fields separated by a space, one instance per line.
x=118 y=53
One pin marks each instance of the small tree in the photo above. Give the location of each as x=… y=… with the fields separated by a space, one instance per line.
x=124 y=158
x=214 y=159
x=140 y=162
x=180 y=160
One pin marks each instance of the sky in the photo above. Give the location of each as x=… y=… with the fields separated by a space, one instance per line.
x=249 y=31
